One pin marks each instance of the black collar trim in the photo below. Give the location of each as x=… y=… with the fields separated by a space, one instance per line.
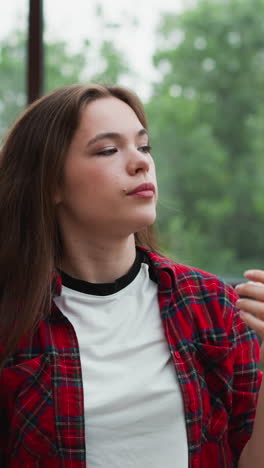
x=106 y=289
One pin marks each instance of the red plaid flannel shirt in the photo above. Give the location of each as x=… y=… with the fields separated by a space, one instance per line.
x=214 y=353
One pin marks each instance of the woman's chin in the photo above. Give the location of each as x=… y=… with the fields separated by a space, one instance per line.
x=143 y=222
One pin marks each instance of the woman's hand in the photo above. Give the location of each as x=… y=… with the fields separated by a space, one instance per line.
x=252 y=306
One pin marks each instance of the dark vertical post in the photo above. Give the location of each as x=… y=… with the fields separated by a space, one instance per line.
x=35 y=51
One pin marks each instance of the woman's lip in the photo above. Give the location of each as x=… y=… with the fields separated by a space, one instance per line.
x=147 y=187
x=143 y=194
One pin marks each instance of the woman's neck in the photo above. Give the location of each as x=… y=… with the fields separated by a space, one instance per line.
x=99 y=261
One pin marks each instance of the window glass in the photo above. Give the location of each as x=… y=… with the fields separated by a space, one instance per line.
x=12 y=61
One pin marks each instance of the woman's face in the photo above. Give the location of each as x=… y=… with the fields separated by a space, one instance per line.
x=107 y=159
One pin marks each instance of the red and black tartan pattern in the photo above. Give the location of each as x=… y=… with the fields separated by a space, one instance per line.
x=214 y=353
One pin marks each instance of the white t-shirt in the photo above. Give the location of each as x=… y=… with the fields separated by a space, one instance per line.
x=133 y=405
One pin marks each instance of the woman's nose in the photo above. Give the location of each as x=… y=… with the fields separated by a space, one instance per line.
x=138 y=161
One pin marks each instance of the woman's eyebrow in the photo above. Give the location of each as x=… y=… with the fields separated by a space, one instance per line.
x=114 y=135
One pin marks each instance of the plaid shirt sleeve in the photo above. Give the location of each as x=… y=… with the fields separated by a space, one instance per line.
x=215 y=356
x=229 y=371
x=246 y=379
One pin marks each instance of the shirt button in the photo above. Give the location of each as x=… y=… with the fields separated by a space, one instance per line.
x=177 y=355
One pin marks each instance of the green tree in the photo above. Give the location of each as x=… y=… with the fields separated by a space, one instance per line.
x=207 y=127
x=62 y=67
x=12 y=78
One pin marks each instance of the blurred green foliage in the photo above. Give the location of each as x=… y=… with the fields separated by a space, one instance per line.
x=206 y=122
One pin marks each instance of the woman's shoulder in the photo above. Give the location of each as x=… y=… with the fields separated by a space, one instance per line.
x=202 y=303
x=189 y=276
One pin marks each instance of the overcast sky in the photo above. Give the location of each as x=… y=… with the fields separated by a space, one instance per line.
x=75 y=20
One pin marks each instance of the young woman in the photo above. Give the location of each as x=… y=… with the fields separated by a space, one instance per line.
x=111 y=354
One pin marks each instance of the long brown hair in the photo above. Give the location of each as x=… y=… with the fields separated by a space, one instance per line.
x=31 y=164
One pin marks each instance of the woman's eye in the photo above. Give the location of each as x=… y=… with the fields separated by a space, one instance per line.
x=145 y=148
x=107 y=152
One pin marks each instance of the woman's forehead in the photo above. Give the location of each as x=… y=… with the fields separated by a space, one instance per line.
x=109 y=115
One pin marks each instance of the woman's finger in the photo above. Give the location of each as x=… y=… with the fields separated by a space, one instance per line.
x=251 y=289
x=255 y=275
x=252 y=307
x=253 y=322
